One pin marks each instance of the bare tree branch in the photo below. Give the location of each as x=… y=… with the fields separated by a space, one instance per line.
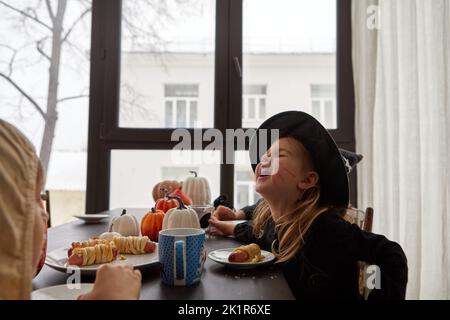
x=73 y=97
x=25 y=61
x=69 y=31
x=6 y=46
x=132 y=105
x=40 y=49
x=11 y=61
x=50 y=10
x=27 y=96
x=149 y=35
x=77 y=49
x=25 y=14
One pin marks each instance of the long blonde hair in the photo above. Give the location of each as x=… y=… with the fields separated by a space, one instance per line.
x=291 y=227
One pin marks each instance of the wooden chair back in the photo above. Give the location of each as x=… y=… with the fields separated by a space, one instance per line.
x=364 y=220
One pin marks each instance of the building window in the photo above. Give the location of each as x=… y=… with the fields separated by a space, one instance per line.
x=181 y=101
x=323 y=104
x=254 y=105
x=245 y=188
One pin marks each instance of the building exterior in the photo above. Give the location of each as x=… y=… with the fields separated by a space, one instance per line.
x=176 y=90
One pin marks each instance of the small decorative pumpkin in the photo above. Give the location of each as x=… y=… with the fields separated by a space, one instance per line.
x=151 y=224
x=109 y=235
x=167 y=203
x=159 y=188
x=197 y=188
x=178 y=193
x=181 y=217
x=126 y=225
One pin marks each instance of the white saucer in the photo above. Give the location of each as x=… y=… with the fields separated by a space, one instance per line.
x=92 y=218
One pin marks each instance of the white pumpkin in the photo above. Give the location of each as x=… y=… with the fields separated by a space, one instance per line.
x=109 y=235
x=197 y=188
x=181 y=217
x=126 y=225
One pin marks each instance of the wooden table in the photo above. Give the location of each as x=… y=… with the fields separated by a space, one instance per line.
x=217 y=283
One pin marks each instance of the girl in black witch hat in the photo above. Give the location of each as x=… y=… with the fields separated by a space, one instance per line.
x=303 y=181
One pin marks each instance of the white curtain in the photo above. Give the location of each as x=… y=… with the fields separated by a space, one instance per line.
x=401 y=60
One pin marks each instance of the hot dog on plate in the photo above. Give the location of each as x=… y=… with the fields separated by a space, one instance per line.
x=134 y=245
x=96 y=251
x=99 y=253
x=250 y=253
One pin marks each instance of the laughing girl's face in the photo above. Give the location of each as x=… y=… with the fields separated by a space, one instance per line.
x=285 y=171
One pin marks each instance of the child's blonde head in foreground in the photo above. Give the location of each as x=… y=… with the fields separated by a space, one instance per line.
x=21 y=215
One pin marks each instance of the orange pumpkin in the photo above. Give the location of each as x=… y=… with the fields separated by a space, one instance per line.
x=186 y=200
x=151 y=224
x=166 y=203
x=160 y=189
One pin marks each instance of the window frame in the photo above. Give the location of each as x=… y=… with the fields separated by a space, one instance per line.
x=104 y=133
x=322 y=101
x=174 y=106
x=257 y=97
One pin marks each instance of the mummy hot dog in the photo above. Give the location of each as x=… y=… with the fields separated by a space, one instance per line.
x=95 y=251
x=250 y=254
x=99 y=253
x=134 y=245
x=87 y=243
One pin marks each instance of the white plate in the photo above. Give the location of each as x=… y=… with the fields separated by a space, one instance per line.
x=61 y=292
x=57 y=259
x=92 y=218
x=221 y=256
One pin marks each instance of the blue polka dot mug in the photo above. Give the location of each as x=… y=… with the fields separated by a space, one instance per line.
x=181 y=255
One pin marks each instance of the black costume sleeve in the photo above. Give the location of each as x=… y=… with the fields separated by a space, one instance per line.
x=371 y=248
x=243 y=232
x=249 y=210
x=388 y=256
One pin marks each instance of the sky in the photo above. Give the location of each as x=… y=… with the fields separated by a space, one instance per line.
x=268 y=24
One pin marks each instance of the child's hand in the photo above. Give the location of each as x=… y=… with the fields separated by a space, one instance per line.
x=115 y=283
x=221 y=228
x=224 y=213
